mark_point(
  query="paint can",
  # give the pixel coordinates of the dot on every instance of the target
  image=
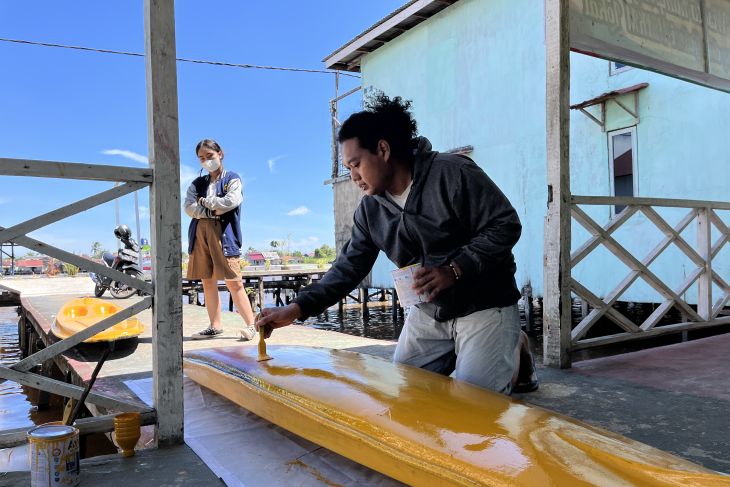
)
(54, 455)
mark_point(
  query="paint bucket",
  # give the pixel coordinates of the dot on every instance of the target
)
(54, 455)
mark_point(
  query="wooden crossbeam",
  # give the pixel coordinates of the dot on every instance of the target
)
(593, 242)
(636, 201)
(86, 426)
(67, 390)
(664, 308)
(82, 263)
(651, 321)
(720, 304)
(28, 226)
(725, 233)
(662, 330)
(70, 342)
(599, 307)
(633, 263)
(74, 170)
(603, 305)
(667, 229)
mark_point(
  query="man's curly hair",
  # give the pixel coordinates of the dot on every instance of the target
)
(383, 119)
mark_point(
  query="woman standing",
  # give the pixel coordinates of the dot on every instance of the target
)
(213, 201)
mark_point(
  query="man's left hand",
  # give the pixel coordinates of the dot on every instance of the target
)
(433, 280)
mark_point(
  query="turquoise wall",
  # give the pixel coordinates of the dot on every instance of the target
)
(681, 154)
(476, 75)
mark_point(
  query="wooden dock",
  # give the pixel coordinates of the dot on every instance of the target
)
(678, 380)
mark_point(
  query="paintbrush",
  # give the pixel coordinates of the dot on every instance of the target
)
(263, 356)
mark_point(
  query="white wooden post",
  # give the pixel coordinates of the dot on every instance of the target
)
(704, 248)
(556, 287)
(163, 140)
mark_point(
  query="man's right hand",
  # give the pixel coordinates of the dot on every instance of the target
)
(271, 318)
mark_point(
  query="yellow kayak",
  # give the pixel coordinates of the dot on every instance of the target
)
(426, 429)
(79, 314)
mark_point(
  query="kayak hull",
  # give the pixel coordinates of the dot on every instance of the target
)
(426, 429)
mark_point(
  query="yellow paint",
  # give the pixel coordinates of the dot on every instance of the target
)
(426, 429)
(263, 356)
(79, 314)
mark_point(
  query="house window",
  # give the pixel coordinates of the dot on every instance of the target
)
(622, 163)
(615, 67)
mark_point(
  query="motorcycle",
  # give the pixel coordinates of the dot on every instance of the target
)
(126, 261)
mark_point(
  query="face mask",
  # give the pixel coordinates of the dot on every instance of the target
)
(212, 165)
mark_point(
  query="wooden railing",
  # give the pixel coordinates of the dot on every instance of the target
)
(135, 179)
(704, 215)
(163, 295)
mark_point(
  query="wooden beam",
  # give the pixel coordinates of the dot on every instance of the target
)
(665, 202)
(28, 226)
(83, 263)
(78, 337)
(74, 170)
(67, 390)
(704, 245)
(556, 283)
(164, 146)
(86, 426)
(662, 330)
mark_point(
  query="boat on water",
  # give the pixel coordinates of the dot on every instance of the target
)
(78, 314)
(426, 429)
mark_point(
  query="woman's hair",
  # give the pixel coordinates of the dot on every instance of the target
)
(383, 119)
(209, 144)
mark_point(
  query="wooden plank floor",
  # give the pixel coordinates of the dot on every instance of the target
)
(178, 466)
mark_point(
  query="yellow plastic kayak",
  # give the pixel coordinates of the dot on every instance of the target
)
(78, 314)
(426, 429)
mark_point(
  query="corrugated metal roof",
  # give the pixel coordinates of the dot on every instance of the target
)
(347, 57)
(608, 95)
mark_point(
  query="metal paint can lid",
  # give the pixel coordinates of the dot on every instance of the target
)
(50, 431)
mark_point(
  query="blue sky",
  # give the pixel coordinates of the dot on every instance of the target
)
(77, 106)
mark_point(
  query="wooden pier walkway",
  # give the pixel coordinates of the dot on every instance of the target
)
(685, 384)
(132, 361)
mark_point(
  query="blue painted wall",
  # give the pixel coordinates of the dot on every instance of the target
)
(476, 75)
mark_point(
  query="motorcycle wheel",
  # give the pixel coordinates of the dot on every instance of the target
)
(122, 291)
(99, 290)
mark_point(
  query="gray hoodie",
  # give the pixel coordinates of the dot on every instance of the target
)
(454, 212)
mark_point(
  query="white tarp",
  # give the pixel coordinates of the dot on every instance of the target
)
(245, 450)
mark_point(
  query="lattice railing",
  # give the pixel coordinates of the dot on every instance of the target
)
(706, 313)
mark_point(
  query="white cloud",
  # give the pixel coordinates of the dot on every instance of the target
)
(144, 212)
(304, 242)
(187, 174)
(127, 154)
(302, 210)
(272, 162)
